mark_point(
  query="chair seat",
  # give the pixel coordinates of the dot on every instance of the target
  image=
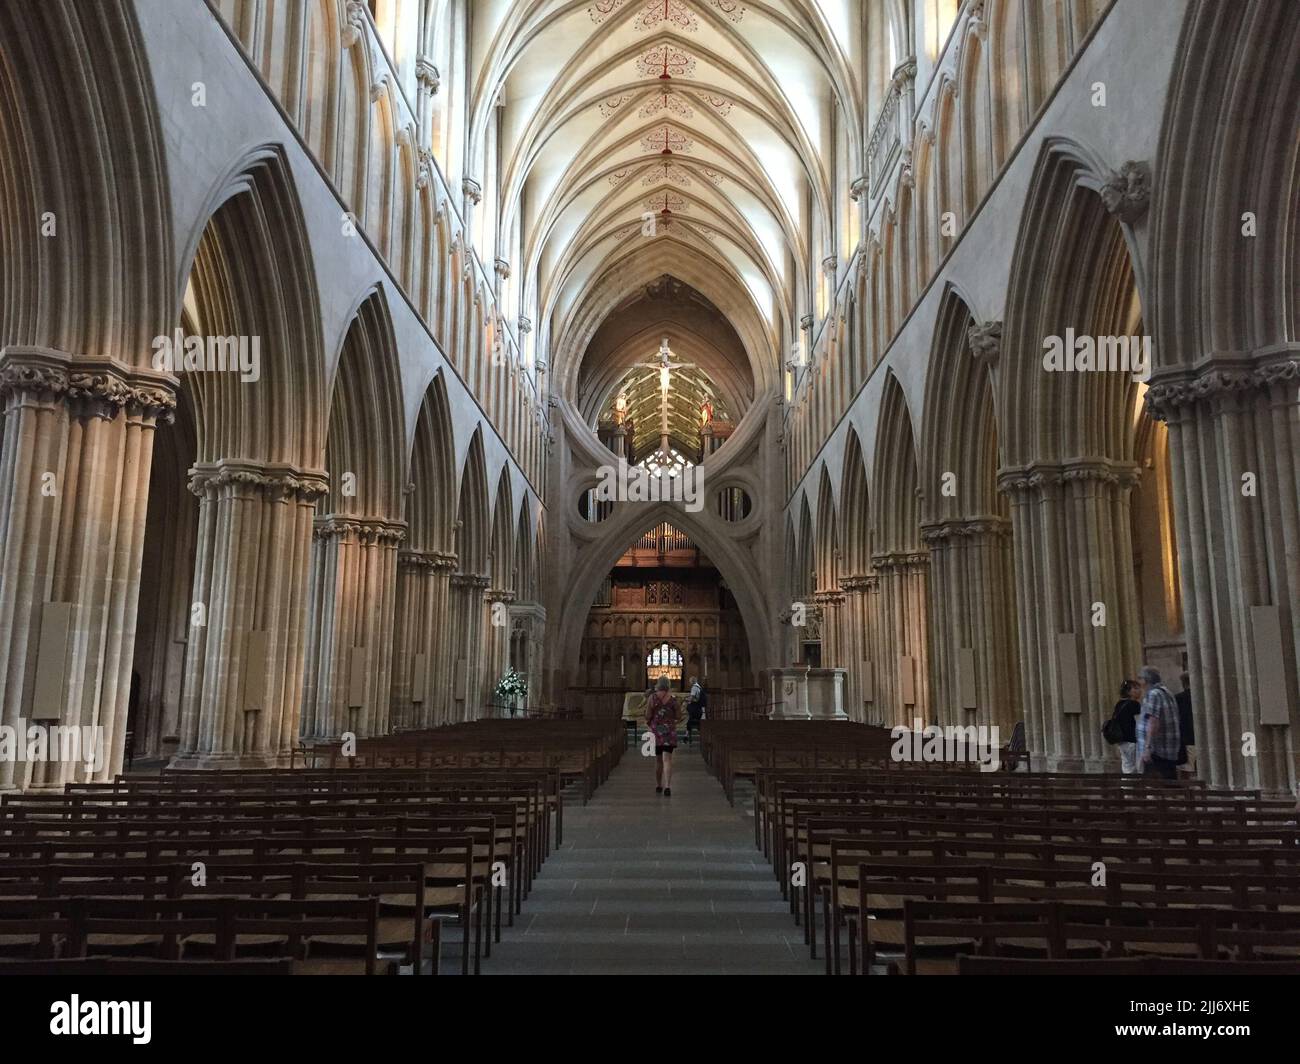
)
(395, 931)
(1164, 949)
(936, 966)
(330, 966)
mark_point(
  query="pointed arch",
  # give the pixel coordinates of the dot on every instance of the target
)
(432, 502)
(252, 275)
(366, 443)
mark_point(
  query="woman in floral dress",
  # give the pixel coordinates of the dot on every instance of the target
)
(661, 718)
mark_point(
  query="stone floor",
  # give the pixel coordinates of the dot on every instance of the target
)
(646, 885)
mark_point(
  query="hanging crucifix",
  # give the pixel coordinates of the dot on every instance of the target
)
(665, 365)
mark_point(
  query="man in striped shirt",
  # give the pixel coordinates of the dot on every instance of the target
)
(1158, 738)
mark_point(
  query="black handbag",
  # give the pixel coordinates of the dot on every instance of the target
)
(1112, 731)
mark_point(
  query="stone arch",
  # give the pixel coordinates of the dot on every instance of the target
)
(357, 531)
(421, 679)
(967, 528)
(260, 446)
(901, 565)
(469, 581)
(1226, 319)
(626, 525)
(857, 581)
(1069, 454)
(251, 274)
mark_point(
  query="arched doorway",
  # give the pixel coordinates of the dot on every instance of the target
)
(663, 609)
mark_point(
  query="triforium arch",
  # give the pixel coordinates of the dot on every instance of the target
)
(965, 524)
(357, 532)
(259, 470)
(421, 690)
(1071, 465)
(1225, 258)
(469, 582)
(901, 565)
(86, 239)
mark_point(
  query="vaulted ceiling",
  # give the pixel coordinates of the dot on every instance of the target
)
(607, 113)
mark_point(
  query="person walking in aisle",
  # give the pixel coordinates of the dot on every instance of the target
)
(661, 718)
(694, 708)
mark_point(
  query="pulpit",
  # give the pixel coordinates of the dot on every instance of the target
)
(826, 694)
(787, 692)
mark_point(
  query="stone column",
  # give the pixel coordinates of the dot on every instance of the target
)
(1077, 604)
(1234, 427)
(901, 633)
(829, 605)
(74, 482)
(972, 609)
(243, 688)
(857, 643)
(469, 616)
(496, 650)
(350, 627)
(421, 627)
(529, 618)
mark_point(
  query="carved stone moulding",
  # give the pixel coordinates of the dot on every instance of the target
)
(1172, 390)
(859, 582)
(428, 560)
(278, 481)
(965, 528)
(900, 561)
(92, 387)
(363, 529)
(427, 75)
(985, 339)
(1039, 477)
(1127, 192)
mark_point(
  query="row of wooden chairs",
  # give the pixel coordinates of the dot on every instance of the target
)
(446, 825)
(856, 841)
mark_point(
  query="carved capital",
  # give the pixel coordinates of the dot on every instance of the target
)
(904, 72)
(366, 530)
(1166, 398)
(859, 188)
(212, 480)
(859, 582)
(502, 268)
(99, 388)
(427, 76)
(354, 24)
(965, 529)
(906, 178)
(901, 561)
(473, 190)
(525, 325)
(1127, 193)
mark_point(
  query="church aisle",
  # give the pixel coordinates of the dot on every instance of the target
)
(655, 886)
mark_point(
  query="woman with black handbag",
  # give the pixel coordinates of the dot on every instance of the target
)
(1121, 729)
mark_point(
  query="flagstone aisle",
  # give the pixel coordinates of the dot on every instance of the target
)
(656, 886)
